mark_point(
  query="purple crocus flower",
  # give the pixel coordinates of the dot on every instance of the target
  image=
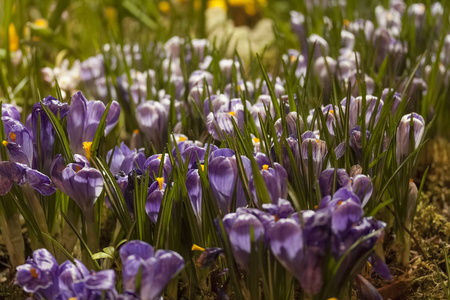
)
(125, 160)
(9, 110)
(219, 123)
(281, 210)
(403, 132)
(224, 179)
(194, 189)
(83, 121)
(39, 275)
(275, 179)
(78, 180)
(21, 174)
(356, 141)
(345, 207)
(68, 274)
(47, 133)
(157, 269)
(359, 184)
(154, 198)
(153, 163)
(193, 152)
(19, 143)
(318, 153)
(152, 118)
(238, 226)
(288, 246)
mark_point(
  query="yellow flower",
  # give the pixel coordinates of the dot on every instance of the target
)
(13, 38)
(164, 7)
(219, 4)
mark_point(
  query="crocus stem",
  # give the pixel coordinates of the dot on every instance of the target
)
(69, 238)
(91, 230)
(38, 212)
(12, 235)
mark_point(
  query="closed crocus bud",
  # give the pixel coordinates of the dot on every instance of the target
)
(154, 199)
(39, 275)
(198, 78)
(381, 41)
(356, 141)
(347, 40)
(366, 291)
(372, 110)
(9, 110)
(155, 269)
(412, 203)
(226, 67)
(152, 118)
(200, 47)
(239, 227)
(327, 177)
(417, 12)
(403, 134)
(324, 68)
(232, 91)
(275, 180)
(220, 124)
(173, 47)
(224, 179)
(320, 46)
(83, 184)
(298, 27)
(395, 96)
(291, 122)
(362, 186)
(398, 5)
(445, 54)
(318, 152)
(355, 170)
(194, 189)
(125, 160)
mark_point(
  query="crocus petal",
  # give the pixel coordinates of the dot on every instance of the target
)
(158, 271)
(137, 248)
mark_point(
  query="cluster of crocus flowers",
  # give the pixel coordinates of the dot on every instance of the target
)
(45, 279)
(301, 240)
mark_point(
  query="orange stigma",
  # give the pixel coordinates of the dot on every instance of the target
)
(346, 22)
(340, 202)
(12, 135)
(34, 273)
(136, 131)
(411, 180)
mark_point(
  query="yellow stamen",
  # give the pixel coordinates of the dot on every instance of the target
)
(197, 248)
(160, 182)
(265, 167)
(77, 168)
(136, 131)
(346, 22)
(232, 113)
(316, 206)
(331, 111)
(13, 38)
(160, 156)
(256, 140)
(5, 143)
(164, 7)
(369, 266)
(34, 273)
(333, 298)
(182, 139)
(87, 148)
(203, 167)
(317, 140)
(12, 135)
(293, 58)
(411, 180)
(41, 23)
(73, 298)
